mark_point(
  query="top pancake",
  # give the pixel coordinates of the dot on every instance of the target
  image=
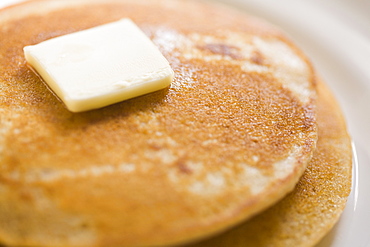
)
(231, 136)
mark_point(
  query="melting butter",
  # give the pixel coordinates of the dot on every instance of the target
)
(100, 66)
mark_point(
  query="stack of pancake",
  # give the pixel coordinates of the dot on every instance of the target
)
(247, 147)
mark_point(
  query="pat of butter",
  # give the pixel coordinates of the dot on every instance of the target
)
(100, 66)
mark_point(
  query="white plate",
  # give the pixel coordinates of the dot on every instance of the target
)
(336, 36)
(5, 3)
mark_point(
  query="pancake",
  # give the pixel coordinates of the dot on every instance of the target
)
(308, 213)
(230, 137)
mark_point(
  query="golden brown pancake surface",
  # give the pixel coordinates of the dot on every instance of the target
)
(231, 136)
(309, 212)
